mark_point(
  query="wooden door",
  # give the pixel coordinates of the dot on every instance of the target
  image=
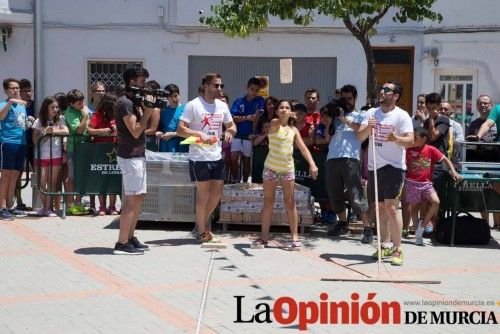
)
(396, 64)
(402, 73)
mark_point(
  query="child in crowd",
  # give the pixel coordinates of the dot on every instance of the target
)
(305, 128)
(261, 138)
(268, 114)
(324, 126)
(102, 126)
(49, 156)
(420, 160)
(77, 120)
(279, 169)
(62, 101)
(226, 147)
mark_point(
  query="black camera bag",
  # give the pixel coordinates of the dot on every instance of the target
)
(469, 230)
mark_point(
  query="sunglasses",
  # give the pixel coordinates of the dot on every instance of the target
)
(386, 90)
(219, 85)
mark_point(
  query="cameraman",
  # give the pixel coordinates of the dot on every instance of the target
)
(131, 122)
(343, 166)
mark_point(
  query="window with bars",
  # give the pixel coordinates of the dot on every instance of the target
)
(108, 72)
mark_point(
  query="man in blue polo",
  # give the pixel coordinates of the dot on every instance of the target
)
(245, 112)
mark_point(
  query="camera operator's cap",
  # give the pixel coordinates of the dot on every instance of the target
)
(299, 107)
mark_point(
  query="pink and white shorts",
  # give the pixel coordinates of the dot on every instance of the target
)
(417, 192)
(273, 176)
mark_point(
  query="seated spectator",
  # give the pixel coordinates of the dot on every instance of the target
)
(102, 126)
(49, 161)
(169, 118)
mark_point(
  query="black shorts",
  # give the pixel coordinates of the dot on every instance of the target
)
(390, 181)
(206, 170)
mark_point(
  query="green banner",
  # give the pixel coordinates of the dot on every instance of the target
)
(95, 169)
(302, 176)
(478, 196)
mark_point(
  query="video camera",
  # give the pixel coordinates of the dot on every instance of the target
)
(151, 98)
(334, 105)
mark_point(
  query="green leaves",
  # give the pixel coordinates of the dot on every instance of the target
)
(239, 18)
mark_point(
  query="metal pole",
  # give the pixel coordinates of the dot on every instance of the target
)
(38, 74)
(39, 92)
(377, 214)
(380, 280)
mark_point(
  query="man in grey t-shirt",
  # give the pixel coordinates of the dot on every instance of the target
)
(131, 122)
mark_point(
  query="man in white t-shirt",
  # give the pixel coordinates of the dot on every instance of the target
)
(393, 131)
(203, 117)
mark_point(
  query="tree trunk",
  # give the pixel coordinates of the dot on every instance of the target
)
(371, 77)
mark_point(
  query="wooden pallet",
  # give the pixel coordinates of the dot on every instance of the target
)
(304, 221)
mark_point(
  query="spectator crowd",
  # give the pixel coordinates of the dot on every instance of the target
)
(413, 154)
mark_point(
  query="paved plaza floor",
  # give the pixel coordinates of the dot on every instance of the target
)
(60, 276)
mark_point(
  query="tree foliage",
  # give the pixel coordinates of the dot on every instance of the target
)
(240, 18)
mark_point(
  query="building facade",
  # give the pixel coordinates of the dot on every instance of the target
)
(85, 41)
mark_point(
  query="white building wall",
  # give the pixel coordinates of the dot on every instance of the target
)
(76, 31)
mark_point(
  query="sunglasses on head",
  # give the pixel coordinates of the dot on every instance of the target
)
(386, 90)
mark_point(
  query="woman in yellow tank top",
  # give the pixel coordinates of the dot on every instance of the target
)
(279, 168)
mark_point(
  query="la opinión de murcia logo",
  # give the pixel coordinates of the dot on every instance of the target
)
(287, 311)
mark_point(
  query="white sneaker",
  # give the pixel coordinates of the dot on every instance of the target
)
(41, 212)
(419, 233)
(50, 213)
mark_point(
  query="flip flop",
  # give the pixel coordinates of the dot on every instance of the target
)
(294, 245)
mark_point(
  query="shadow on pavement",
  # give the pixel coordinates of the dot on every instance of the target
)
(114, 225)
(94, 251)
(242, 248)
(360, 258)
(173, 242)
(493, 244)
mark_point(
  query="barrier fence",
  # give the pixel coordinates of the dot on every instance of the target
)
(96, 172)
